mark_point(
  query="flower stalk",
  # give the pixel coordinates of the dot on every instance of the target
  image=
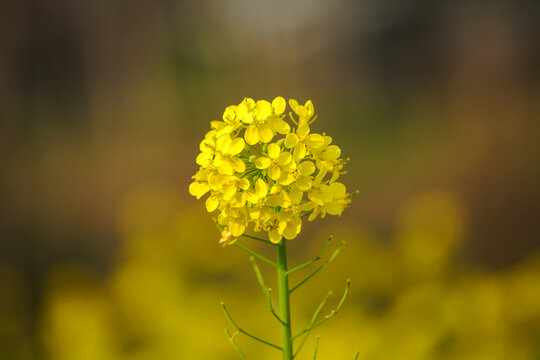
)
(260, 172)
(284, 303)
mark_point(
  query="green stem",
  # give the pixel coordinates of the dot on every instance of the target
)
(284, 306)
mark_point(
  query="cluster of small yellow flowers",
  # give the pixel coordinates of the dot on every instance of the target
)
(259, 170)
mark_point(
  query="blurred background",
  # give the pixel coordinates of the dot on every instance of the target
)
(104, 255)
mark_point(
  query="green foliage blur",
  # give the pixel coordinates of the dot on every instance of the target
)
(105, 255)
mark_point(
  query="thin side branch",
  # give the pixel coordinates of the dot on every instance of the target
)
(272, 310)
(313, 319)
(231, 321)
(231, 339)
(316, 348)
(260, 280)
(218, 225)
(316, 258)
(329, 316)
(335, 253)
(309, 276)
(266, 291)
(257, 255)
(258, 239)
(306, 264)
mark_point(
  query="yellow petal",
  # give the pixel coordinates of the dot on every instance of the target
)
(255, 213)
(306, 168)
(252, 135)
(335, 174)
(263, 162)
(216, 181)
(218, 160)
(250, 103)
(331, 153)
(316, 140)
(204, 158)
(273, 151)
(314, 214)
(299, 152)
(229, 114)
(222, 143)
(252, 197)
(295, 195)
(262, 109)
(309, 107)
(243, 113)
(261, 188)
(236, 146)
(286, 178)
(265, 134)
(338, 190)
(282, 225)
(291, 140)
(316, 196)
(274, 236)
(303, 183)
(278, 105)
(320, 176)
(326, 193)
(211, 204)
(247, 118)
(228, 192)
(290, 232)
(222, 219)
(198, 189)
(274, 172)
(239, 200)
(238, 165)
(303, 130)
(226, 238)
(284, 158)
(207, 144)
(275, 189)
(225, 168)
(293, 104)
(236, 228)
(275, 200)
(290, 166)
(243, 184)
(281, 126)
(327, 140)
(286, 200)
(225, 130)
(333, 208)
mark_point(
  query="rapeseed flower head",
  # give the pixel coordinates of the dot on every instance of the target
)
(261, 171)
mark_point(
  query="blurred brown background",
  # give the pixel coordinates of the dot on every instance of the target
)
(104, 255)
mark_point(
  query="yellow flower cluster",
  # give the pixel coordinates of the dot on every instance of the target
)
(260, 170)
